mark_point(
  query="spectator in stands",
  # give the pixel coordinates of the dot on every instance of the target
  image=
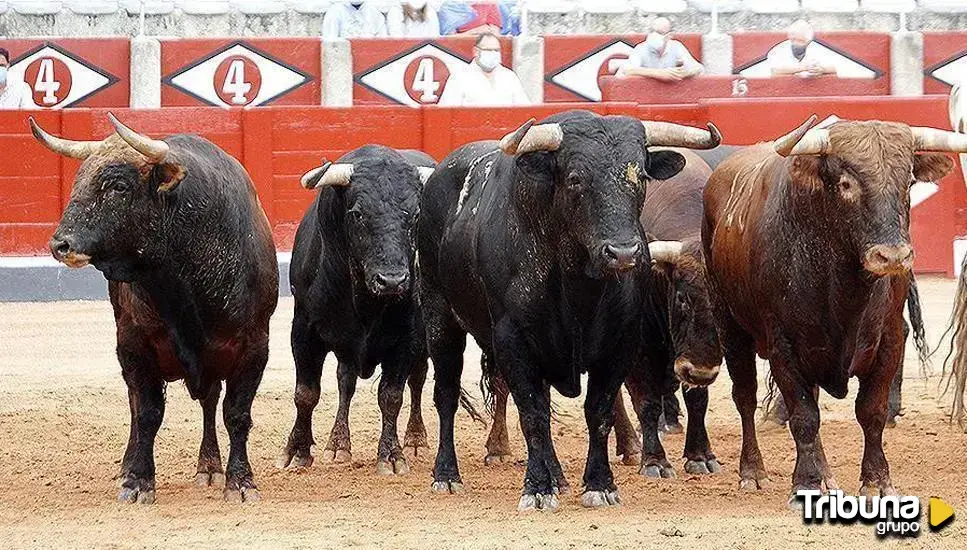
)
(413, 19)
(353, 20)
(660, 57)
(487, 21)
(485, 82)
(798, 55)
(14, 94)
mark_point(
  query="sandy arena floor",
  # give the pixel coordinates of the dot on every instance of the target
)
(64, 422)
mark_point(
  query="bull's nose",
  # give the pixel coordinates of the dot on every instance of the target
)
(695, 375)
(882, 259)
(59, 247)
(622, 256)
(390, 283)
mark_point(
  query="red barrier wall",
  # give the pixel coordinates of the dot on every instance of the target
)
(241, 73)
(73, 72)
(944, 60)
(573, 63)
(854, 53)
(278, 145)
(693, 90)
(390, 71)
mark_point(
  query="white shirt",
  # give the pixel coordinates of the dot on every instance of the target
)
(781, 55)
(472, 88)
(344, 21)
(16, 95)
(397, 25)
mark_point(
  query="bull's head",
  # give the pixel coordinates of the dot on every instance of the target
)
(115, 210)
(379, 205)
(866, 170)
(597, 168)
(698, 355)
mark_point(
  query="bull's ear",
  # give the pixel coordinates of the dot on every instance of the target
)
(168, 175)
(931, 166)
(664, 164)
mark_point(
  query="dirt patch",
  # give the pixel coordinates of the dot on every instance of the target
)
(64, 423)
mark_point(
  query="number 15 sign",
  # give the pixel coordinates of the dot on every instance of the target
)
(240, 73)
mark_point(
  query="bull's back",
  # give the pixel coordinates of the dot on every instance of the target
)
(673, 207)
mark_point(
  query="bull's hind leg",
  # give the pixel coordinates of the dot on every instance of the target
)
(446, 342)
(210, 473)
(498, 442)
(871, 413)
(147, 401)
(339, 448)
(739, 348)
(309, 353)
(671, 410)
(645, 384)
(390, 460)
(699, 458)
(627, 444)
(240, 391)
(415, 437)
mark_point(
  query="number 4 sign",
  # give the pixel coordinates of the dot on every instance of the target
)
(57, 78)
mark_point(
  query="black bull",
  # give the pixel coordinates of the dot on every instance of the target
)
(533, 247)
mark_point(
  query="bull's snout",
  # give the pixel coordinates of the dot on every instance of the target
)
(62, 248)
(622, 256)
(883, 260)
(695, 375)
(390, 283)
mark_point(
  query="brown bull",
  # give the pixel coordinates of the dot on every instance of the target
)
(809, 258)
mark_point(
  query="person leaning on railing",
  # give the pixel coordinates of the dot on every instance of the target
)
(660, 57)
(799, 55)
(14, 94)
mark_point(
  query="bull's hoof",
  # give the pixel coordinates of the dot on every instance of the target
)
(657, 471)
(447, 487)
(339, 456)
(210, 479)
(538, 502)
(392, 466)
(631, 459)
(413, 442)
(600, 499)
(134, 490)
(703, 466)
(750, 484)
(492, 459)
(794, 503)
(882, 488)
(244, 491)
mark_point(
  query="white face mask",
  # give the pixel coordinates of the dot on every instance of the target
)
(488, 60)
(655, 41)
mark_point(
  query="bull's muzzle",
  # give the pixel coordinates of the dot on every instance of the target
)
(884, 260)
(62, 248)
(623, 256)
(695, 375)
(390, 283)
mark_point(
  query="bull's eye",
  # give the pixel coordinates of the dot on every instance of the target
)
(119, 186)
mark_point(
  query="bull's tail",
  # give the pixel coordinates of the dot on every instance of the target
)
(917, 327)
(466, 403)
(490, 383)
(769, 402)
(957, 356)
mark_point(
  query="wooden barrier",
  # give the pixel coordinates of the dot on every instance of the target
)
(693, 90)
(277, 145)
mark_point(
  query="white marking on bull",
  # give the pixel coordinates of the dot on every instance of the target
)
(736, 195)
(465, 191)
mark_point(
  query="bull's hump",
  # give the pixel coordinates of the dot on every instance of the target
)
(478, 172)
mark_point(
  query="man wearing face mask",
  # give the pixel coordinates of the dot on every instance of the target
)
(799, 55)
(485, 82)
(353, 20)
(660, 57)
(14, 94)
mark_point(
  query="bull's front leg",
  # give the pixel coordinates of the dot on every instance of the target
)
(699, 458)
(871, 413)
(415, 437)
(390, 458)
(339, 448)
(240, 391)
(599, 487)
(645, 386)
(800, 398)
(147, 402)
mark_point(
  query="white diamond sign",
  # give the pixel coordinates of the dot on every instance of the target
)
(237, 75)
(57, 78)
(581, 77)
(415, 77)
(951, 72)
(846, 67)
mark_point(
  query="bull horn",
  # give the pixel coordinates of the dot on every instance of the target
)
(784, 145)
(328, 174)
(667, 134)
(425, 173)
(530, 138)
(665, 251)
(931, 139)
(154, 150)
(69, 148)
